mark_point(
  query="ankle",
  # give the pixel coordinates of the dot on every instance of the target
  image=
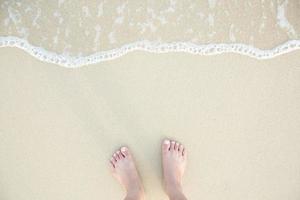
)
(137, 194)
(174, 191)
(176, 195)
(172, 186)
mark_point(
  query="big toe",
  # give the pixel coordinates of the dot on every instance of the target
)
(125, 151)
(166, 145)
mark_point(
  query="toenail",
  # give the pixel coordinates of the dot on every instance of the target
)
(123, 149)
(167, 142)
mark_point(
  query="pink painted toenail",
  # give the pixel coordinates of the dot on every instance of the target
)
(123, 149)
(166, 142)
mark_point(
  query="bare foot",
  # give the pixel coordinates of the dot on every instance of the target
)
(174, 161)
(124, 170)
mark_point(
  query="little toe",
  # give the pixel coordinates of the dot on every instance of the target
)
(111, 164)
(184, 153)
(180, 149)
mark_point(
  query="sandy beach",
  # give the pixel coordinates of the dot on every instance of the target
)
(238, 117)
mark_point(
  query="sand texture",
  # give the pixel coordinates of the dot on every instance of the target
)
(238, 117)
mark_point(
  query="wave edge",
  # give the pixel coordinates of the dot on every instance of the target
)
(155, 47)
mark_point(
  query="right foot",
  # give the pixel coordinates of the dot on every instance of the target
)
(174, 161)
(124, 170)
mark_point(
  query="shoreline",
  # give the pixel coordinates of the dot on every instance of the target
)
(65, 60)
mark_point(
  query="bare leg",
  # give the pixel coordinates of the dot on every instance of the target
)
(174, 161)
(124, 170)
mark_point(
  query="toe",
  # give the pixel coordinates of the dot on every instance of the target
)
(113, 162)
(180, 149)
(125, 152)
(166, 145)
(172, 148)
(116, 157)
(111, 168)
(120, 156)
(184, 153)
(176, 146)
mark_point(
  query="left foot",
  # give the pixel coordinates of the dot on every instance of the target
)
(124, 170)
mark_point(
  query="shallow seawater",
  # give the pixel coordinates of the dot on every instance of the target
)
(77, 33)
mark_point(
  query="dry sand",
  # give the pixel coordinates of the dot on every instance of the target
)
(238, 117)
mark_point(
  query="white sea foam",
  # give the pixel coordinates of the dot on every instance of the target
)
(282, 20)
(155, 47)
